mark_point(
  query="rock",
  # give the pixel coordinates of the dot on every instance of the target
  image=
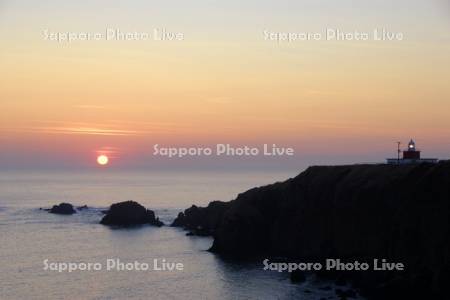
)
(201, 221)
(130, 213)
(83, 207)
(179, 220)
(62, 209)
(354, 212)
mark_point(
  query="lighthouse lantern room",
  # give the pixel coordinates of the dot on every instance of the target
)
(410, 156)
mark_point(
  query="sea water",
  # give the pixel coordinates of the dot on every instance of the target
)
(30, 237)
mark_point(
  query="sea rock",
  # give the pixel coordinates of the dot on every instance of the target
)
(62, 209)
(130, 213)
(356, 212)
(201, 221)
(83, 207)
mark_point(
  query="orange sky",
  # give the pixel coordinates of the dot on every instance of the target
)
(62, 103)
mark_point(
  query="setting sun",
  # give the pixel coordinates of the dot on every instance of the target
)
(102, 160)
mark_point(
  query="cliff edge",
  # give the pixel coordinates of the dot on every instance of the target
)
(354, 212)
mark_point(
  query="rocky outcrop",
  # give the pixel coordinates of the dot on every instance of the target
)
(201, 221)
(130, 213)
(83, 207)
(355, 212)
(62, 209)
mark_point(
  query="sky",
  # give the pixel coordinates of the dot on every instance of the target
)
(347, 101)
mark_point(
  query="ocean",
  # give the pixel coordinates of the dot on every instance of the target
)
(30, 237)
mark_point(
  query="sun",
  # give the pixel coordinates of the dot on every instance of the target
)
(102, 160)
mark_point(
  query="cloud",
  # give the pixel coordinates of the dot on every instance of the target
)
(86, 131)
(106, 128)
(55, 127)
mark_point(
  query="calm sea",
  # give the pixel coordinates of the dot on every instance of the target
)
(29, 236)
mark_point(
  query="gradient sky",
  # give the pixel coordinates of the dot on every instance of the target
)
(333, 101)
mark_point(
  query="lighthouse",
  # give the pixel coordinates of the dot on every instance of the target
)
(411, 155)
(411, 152)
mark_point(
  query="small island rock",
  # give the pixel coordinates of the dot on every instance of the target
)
(62, 209)
(130, 213)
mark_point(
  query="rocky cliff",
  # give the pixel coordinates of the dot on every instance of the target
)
(202, 220)
(363, 212)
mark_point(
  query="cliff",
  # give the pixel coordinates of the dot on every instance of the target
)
(363, 212)
(202, 220)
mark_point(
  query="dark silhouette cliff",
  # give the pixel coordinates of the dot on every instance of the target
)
(202, 220)
(400, 213)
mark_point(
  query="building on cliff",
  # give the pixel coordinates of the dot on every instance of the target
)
(410, 156)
